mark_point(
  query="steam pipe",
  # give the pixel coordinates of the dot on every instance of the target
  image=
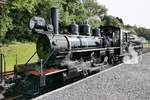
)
(54, 19)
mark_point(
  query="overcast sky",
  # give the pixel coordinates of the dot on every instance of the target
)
(133, 12)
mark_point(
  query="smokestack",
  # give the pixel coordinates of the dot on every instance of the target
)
(54, 19)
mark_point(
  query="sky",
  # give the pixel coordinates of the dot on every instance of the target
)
(133, 12)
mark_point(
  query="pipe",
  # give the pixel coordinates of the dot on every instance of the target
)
(54, 19)
(41, 67)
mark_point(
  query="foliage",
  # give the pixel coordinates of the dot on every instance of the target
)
(72, 10)
(112, 21)
(15, 16)
(143, 32)
(5, 21)
(17, 13)
(95, 21)
(95, 12)
(140, 31)
(93, 8)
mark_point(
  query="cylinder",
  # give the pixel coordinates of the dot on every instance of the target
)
(64, 43)
(54, 19)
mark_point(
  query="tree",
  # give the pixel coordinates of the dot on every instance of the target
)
(94, 12)
(15, 18)
(140, 31)
(5, 20)
(112, 21)
(74, 10)
(93, 8)
(17, 13)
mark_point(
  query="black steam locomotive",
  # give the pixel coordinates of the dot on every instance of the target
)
(77, 52)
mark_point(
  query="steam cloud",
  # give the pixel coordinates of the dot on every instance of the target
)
(133, 57)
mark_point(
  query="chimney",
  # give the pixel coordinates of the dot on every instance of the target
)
(54, 19)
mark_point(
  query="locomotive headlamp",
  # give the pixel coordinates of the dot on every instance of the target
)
(37, 23)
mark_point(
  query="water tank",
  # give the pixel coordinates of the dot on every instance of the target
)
(85, 28)
(96, 32)
(73, 28)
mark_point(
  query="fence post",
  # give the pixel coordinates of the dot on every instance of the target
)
(1, 64)
(1, 67)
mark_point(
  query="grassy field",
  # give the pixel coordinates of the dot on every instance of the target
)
(19, 52)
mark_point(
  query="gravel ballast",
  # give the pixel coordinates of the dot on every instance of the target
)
(124, 82)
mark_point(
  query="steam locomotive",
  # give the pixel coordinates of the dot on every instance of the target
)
(66, 55)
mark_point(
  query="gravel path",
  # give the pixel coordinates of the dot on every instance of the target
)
(125, 82)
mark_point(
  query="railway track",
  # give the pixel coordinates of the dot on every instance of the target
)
(8, 73)
(146, 49)
(20, 96)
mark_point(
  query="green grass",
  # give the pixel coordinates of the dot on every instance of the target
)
(23, 51)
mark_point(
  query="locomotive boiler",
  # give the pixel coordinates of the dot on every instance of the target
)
(53, 46)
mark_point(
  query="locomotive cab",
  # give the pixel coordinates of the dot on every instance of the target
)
(115, 37)
(111, 35)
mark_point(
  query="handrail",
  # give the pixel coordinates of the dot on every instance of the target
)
(30, 58)
(50, 54)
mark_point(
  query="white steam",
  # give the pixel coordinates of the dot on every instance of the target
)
(133, 57)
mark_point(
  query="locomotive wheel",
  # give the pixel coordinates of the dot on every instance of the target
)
(84, 73)
(111, 60)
